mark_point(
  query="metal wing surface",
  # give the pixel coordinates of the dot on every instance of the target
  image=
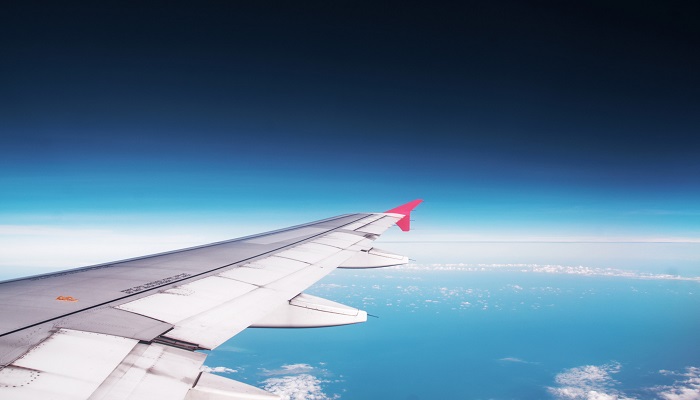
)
(131, 329)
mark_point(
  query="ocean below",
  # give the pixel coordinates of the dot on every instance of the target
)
(479, 330)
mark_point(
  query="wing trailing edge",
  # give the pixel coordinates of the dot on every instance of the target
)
(374, 258)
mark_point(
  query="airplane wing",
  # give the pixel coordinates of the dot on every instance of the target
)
(131, 329)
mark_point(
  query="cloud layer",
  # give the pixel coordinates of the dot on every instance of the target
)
(219, 370)
(516, 360)
(588, 382)
(686, 387)
(297, 382)
(595, 382)
(548, 269)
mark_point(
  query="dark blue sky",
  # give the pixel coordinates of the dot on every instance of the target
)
(503, 114)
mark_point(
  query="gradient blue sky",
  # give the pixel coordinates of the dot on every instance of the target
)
(513, 120)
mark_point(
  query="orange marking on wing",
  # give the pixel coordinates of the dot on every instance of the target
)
(66, 298)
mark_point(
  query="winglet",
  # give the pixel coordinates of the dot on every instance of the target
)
(405, 222)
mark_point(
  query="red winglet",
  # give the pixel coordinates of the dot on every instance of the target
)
(405, 222)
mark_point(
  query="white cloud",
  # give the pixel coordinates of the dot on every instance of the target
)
(546, 269)
(516, 360)
(220, 370)
(227, 347)
(297, 387)
(594, 395)
(588, 382)
(289, 369)
(297, 382)
(43, 230)
(685, 388)
(329, 285)
(588, 375)
(595, 382)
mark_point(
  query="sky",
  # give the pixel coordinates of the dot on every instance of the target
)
(131, 127)
(555, 145)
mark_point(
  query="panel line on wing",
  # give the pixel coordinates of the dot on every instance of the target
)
(379, 226)
(181, 302)
(217, 325)
(362, 222)
(186, 301)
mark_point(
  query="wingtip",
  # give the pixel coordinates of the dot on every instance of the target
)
(405, 209)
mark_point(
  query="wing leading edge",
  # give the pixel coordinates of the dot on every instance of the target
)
(128, 329)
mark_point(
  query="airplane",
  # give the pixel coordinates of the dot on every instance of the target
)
(138, 328)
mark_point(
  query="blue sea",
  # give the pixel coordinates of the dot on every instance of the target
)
(478, 330)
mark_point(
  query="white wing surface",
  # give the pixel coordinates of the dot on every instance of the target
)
(129, 329)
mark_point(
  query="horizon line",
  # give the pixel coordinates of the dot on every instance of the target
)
(545, 241)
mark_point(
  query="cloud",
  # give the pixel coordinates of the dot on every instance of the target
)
(220, 370)
(289, 369)
(43, 230)
(297, 382)
(329, 285)
(516, 360)
(685, 388)
(227, 347)
(441, 237)
(595, 382)
(297, 387)
(547, 269)
(588, 382)
(63, 247)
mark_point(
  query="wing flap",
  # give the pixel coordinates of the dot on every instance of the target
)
(210, 329)
(297, 282)
(254, 276)
(152, 372)
(308, 252)
(214, 387)
(69, 365)
(374, 258)
(182, 302)
(215, 326)
(306, 311)
(274, 263)
(340, 240)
